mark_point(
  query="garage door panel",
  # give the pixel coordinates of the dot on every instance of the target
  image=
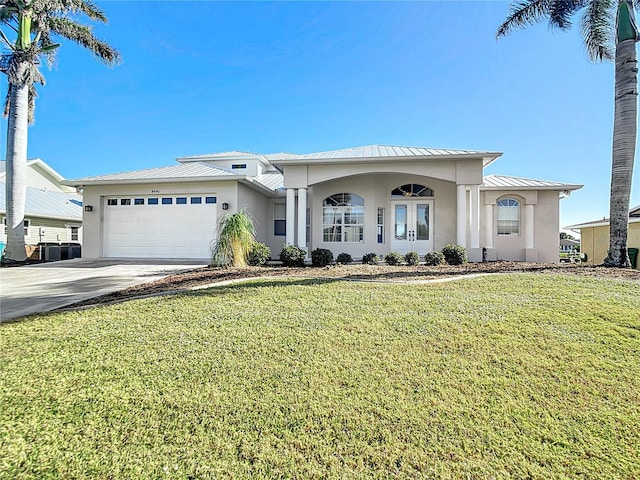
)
(159, 231)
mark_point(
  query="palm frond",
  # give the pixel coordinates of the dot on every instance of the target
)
(524, 13)
(598, 28)
(236, 236)
(83, 36)
(561, 12)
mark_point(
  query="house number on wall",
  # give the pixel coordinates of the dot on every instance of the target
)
(155, 191)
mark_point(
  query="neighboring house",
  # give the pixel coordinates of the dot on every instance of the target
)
(358, 200)
(53, 212)
(569, 245)
(594, 237)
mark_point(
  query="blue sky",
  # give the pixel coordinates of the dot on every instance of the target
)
(203, 77)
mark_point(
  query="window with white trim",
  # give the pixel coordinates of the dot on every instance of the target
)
(26, 224)
(508, 217)
(279, 220)
(380, 225)
(343, 218)
(74, 233)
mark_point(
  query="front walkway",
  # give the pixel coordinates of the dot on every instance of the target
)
(48, 286)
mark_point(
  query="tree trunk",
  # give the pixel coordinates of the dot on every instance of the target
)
(624, 147)
(16, 191)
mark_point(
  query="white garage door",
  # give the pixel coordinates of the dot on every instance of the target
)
(162, 226)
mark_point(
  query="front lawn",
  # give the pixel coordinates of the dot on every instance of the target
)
(510, 376)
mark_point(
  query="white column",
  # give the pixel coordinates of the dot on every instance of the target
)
(461, 212)
(528, 243)
(291, 216)
(488, 226)
(302, 217)
(475, 216)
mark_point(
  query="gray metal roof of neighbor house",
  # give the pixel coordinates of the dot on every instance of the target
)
(634, 217)
(382, 152)
(47, 204)
(502, 182)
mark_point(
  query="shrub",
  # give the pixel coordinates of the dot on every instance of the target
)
(321, 257)
(344, 258)
(433, 258)
(236, 236)
(455, 254)
(292, 256)
(370, 259)
(412, 258)
(259, 254)
(393, 258)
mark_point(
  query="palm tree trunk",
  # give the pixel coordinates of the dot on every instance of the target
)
(624, 145)
(16, 191)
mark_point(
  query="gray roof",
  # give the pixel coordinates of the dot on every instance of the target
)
(3, 167)
(189, 171)
(232, 154)
(273, 181)
(180, 173)
(48, 204)
(634, 217)
(372, 152)
(500, 182)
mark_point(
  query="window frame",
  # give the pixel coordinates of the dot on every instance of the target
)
(342, 208)
(509, 225)
(279, 220)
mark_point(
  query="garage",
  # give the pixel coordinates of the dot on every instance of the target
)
(167, 226)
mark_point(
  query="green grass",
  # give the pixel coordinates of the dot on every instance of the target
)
(514, 376)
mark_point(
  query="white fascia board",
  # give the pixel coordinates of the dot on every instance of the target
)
(42, 164)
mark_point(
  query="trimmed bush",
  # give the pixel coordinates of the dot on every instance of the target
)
(412, 258)
(292, 256)
(344, 258)
(433, 258)
(393, 258)
(370, 259)
(259, 254)
(455, 254)
(321, 257)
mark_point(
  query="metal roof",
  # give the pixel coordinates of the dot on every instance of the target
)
(188, 171)
(48, 204)
(370, 152)
(192, 171)
(219, 155)
(634, 217)
(499, 182)
(271, 180)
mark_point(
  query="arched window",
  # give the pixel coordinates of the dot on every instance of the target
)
(508, 216)
(412, 190)
(343, 218)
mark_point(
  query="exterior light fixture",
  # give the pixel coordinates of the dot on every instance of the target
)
(225, 206)
(88, 208)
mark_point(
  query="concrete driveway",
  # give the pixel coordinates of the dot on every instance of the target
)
(47, 286)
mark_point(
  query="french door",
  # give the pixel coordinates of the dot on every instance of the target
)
(412, 226)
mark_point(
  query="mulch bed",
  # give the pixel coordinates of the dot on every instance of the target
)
(381, 273)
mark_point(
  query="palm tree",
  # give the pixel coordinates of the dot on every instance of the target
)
(607, 36)
(236, 237)
(35, 23)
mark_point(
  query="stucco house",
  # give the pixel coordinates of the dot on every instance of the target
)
(53, 212)
(357, 200)
(594, 237)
